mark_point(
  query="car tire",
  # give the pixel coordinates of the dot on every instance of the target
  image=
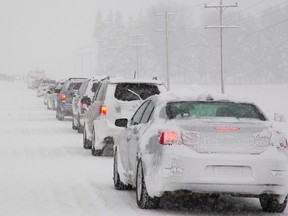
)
(144, 201)
(60, 116)
(116, 178)
(80, 128)
(73, 125)
(94, 152)
(271, 204)
(86, 142)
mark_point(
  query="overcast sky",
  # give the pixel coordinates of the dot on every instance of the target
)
(48, 34)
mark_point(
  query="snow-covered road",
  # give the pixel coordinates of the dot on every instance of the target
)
(45, 171)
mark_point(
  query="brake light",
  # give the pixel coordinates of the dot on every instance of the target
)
(62, 96)
(168, 137)
(226, 128)
(83, 106)
(103, 110)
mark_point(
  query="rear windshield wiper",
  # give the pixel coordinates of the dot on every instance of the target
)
(135, 94)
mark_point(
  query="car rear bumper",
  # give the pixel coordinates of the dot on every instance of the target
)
(237, 174)
(66, 108)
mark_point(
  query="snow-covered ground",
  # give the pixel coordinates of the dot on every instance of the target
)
(45, 171)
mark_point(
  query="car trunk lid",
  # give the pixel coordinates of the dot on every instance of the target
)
(207, 136)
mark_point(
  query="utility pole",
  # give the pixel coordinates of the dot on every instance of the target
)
(166, 14)
(137, 45)
(221, 8)
(88, 52)
(114, 48)
(100, 49)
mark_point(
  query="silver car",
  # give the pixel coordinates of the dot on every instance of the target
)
(203, 144)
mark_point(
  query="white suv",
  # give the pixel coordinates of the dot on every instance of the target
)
(116, 98)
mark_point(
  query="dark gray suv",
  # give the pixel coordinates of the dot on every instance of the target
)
(64, 101)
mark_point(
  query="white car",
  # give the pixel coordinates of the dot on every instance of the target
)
(52, 95)
(82, 100)
(204, 144)
(44, 85)
(116, 98)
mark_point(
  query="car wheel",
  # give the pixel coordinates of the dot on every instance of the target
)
(60, 116)
(144, 201)
(95, 152)
(73, 125)
(271, 204)
(86, 142)
(117, 182)
(80, 128)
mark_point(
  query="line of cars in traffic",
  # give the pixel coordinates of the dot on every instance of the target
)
(177, 143)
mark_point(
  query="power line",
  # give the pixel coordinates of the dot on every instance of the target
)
(195, 5)
(245, 9)
(251, 18)
(269, 27)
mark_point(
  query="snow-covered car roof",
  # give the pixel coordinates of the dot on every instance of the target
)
(99, 78)
(142, 80)
(197, 95)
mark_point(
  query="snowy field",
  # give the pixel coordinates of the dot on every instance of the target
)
(44, 171)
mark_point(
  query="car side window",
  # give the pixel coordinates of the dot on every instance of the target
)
(147, 114)
(138, 114)
(83, 88)
(101, 92)
(96, 93)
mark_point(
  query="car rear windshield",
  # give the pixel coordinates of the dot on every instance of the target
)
(200, 109)
(132, 91)
(74, 86)
(49, 81)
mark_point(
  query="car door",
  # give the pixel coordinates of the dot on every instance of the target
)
(134, 136)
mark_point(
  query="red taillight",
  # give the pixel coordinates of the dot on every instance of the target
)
(226, 128)
(167, 137)
(83, 106)
(103, 110)
(62, 96)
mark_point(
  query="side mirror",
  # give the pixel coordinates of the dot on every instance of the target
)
(121, 122)
(86, 100)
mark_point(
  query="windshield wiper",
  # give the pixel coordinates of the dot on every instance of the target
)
(135, 94)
